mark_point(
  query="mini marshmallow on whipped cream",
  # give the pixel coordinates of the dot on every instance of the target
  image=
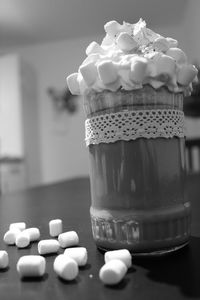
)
(130, 56)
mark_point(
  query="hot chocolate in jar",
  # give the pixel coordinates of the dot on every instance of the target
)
(133, 85)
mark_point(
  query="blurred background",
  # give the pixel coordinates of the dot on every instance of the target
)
(41, 43)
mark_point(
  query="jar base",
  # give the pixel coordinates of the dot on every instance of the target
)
(152, 233)
(154, 253)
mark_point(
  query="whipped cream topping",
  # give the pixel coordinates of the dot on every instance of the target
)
(130, 56)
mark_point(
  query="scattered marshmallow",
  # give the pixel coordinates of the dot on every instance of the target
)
(31, 266)
(186, 74)
(113, 272)
(48, 246)
(107, 72)
(65, 267)
(73, 84)
(4, 259)
(10, 236)
(22, 240)
(79, 254)
(177, 54)
(68, 239)
(20, 225)
(33, 232)
(55, 227)
(126, 42)
(122, 254)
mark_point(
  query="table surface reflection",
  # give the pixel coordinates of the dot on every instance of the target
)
(176, 276)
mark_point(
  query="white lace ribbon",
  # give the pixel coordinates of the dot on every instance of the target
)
(130, 125)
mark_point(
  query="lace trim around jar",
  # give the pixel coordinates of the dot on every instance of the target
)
(130, 125)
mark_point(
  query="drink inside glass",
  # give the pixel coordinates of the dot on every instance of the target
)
(137, 185)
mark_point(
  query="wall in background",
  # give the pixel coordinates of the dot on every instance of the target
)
(11, 134)
(63, 151)
(62, 147)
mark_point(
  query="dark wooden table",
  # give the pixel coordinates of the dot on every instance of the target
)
(176, 276)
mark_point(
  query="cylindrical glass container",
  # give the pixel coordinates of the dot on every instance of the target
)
(137, 170)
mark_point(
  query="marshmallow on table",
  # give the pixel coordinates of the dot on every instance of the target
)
(55, 227)
(48, 246)
(33, 232)
(68, 239)
(22, 240)
(65, 267)
(113, 272)
(11, 235)
(4, 259)
(79, 254)
(121, 254)
(19, 225)
(31, 266)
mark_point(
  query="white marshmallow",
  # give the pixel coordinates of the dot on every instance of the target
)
(156, 84)
(186, 74)
(94, 47)
(82, 85)
(112, 28)
(177, 54)
(31, 266)
(161, 44)
(48, 246)
(138, 69)
(122, 254)
(107, 41)
(113, 272)
(107, 72)
(125, 42)
(22, 240)
(91, 58)
(55, 227)
(165, 65)
(65, 267)
(89, 72)
(79, 254)
(68, 239)
(19, 225)
(33, 232)
(4, 259)
(10, 236)
(73, 84)
(172, 42)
